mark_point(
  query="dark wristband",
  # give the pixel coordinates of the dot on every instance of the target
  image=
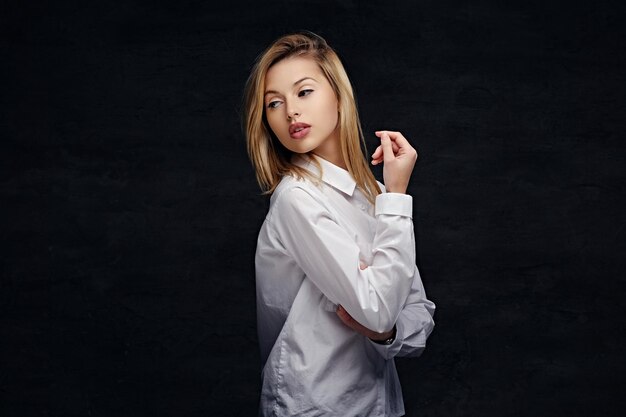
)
(387, 341)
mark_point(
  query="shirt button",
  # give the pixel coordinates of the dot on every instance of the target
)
(362, 207)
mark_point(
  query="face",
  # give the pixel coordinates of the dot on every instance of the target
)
(302, 108)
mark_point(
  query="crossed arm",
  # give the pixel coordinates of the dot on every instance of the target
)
(411, 330)
(358, 327)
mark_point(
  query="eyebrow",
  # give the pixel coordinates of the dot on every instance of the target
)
(294, 84)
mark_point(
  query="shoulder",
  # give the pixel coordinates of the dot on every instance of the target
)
(295, 196)
(289, 183)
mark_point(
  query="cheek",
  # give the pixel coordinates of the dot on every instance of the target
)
(332, 114)
(273, 121)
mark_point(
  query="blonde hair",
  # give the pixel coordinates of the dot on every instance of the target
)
(269, 157)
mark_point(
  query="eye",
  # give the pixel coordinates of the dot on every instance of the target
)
(273, 104)
(304, 93)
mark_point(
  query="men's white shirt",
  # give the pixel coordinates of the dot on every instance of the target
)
(307, 261)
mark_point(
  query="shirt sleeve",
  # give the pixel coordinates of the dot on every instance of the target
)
(414, 324)
(329, 257)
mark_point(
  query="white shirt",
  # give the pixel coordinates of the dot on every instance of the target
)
(307, 262)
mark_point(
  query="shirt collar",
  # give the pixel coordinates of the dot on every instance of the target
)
(332, 175)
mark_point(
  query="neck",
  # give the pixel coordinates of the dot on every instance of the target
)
(333, 159)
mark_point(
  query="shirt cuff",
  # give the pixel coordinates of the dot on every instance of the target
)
(395, 204)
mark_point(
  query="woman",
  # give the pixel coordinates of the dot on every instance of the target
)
(338, 292)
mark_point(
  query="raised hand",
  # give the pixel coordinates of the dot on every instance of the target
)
(399, 158)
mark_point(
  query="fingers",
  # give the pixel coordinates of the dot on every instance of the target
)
(362, 265)
(385, 143)
(377, 155)
(349, 321)
(395, 136)
(404, 147)
(399, 144)
(379, 150)
(345, 317)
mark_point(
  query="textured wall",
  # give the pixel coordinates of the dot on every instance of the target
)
(130, 210)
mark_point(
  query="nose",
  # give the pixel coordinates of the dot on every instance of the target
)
(292, 113)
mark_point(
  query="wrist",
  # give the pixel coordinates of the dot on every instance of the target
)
(386, 338)
(396, 188)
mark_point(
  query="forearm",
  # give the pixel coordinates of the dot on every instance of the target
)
(414, 325)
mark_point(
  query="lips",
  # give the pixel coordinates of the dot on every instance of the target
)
(299, 130)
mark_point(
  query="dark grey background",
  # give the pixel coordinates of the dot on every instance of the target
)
(130, 211)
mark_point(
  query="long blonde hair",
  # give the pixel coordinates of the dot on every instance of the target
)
(269, 157)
